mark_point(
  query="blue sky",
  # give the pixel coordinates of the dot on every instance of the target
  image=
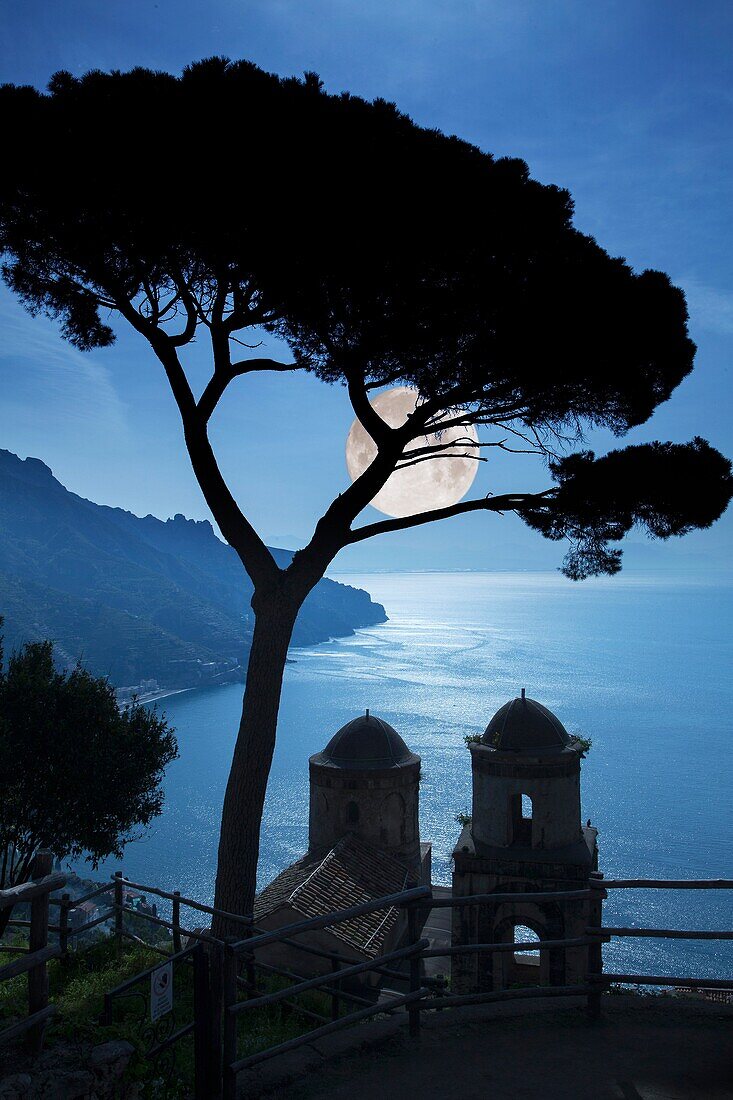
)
(628, 104)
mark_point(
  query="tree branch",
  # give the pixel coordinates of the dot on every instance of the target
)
(423, 422)
(371, 421)
(437, 450)
(221, 378)
(385, 380)
(509, 502)
(236, 528)
(251, 366)
(333, 530)
(434, 457)
(163, 346)
(189, 329)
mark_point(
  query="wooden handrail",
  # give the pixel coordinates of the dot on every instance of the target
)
(326, 979)
(496, 899)
(91, 923)
(28, 962)
(26, 891)
(390, 901)
(319, 1032)
(106, 889)
(660, 933)
(35, 1020)
(269, 968)
(531, 945)
(27, 924)
(662, 884)
(163, 923)
(456, 1000)
(173, 897)
(655, 979)
(130, 982)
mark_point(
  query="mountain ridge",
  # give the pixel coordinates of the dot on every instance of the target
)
(137, 598)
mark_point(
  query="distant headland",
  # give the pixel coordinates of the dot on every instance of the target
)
(156, 605)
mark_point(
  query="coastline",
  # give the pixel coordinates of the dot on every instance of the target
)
(165, 693)
(154, 696)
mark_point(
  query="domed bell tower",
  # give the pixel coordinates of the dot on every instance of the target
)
(525, 836)
(366, 782)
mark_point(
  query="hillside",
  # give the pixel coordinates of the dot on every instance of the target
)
(137, 599)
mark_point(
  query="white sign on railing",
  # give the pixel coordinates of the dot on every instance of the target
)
(161, 991)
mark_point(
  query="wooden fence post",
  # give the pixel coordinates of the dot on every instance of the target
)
(216, 998)
(176, 920)
(38, 939)
(595, 952)
(413, 1009)
(119, 901)
(250, 972)
(335, 1000)
(204, 1086)
(64, 927)
(230, 1021)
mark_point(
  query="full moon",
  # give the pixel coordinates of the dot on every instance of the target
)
(441, 481)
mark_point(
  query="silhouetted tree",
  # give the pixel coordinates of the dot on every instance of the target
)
(229, 199)
(77, 775)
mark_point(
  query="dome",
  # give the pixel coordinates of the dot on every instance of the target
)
(366, 742)
(524, 725)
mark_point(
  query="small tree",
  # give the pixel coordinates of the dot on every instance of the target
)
(228, 199)
(77, 775)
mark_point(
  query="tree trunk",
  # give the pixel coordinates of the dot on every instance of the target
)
(239, 840)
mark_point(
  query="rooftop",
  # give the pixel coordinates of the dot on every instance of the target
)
(353, 872)
(524, 725)
(363, 743)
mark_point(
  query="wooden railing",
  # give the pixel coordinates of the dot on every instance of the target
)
(419, 996)
(242, 953)
(601, 980)
(35, 957)
(225, 969)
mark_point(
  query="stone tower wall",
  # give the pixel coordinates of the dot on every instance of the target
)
(503, 851)
(379, 806)
(500, 780)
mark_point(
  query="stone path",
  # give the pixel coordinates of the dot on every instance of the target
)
(644, 1048)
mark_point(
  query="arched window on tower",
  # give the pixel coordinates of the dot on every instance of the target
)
(520, 819)
(352, 813)
(528, 957)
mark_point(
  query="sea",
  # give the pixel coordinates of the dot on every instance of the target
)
(641, 665)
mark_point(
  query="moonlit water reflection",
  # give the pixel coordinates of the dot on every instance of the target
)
(640, 666)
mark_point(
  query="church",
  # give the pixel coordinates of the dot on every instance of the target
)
(524, 835)
(363, 844)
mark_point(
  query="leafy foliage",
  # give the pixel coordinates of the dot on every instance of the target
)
(582, 744)
(460, 275)
(667, 488)
(382, 251)
(78, 775)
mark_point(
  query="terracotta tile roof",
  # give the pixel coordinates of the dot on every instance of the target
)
(351, 873)
(88, 907)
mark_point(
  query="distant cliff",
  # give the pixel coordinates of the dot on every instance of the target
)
(137, 599)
